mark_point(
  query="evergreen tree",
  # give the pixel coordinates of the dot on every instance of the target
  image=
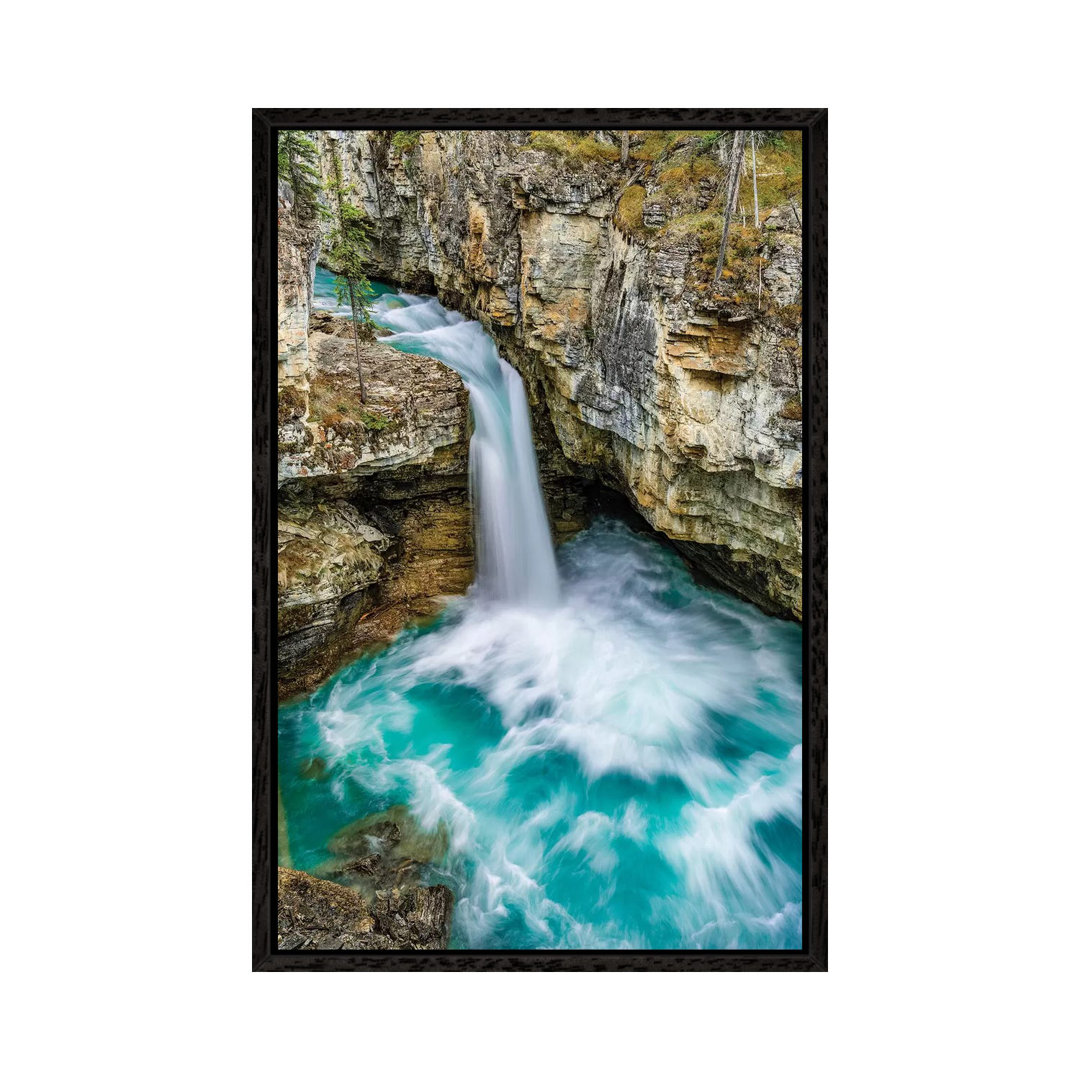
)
(347, 254)
(298, 159)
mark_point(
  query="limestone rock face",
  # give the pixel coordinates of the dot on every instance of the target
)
(317, 914)
(374, 525)
(330, 564)
(416, 411)
(297, 252)
(641, 375)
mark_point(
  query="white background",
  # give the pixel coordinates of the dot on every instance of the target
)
(953, 543)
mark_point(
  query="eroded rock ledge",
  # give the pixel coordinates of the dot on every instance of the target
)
(373, 516)
(374, 521)
(640, 376)
(317, 914)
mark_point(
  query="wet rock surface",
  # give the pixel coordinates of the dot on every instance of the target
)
(373, 893)
(641, 381)
(374, 524)
(317, 914)
(374, 519)
(641, 376)
(392, 834)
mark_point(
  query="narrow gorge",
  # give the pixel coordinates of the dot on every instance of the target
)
(521, 707)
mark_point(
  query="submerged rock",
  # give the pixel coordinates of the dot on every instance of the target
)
(314, 769)
(394, 831)
(368, 866)
(385, 850)
(317, 914)
(362, 837)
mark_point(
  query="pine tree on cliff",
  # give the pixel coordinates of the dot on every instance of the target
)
(347, 256)
(298, 159)
(738, 148)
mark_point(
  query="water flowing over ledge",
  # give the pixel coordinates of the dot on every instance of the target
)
(515, 557)
(614, 758)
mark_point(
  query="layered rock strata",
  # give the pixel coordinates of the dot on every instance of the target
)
(374, 523)
(596, 284)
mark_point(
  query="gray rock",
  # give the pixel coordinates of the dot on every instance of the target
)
(317, 914)
(641, 378)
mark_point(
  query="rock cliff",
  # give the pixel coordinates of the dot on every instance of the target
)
(373, 517)
(596, 280)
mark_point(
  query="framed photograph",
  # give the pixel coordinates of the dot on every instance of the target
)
(540, 644)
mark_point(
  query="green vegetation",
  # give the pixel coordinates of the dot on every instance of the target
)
(298, 161)
(656, 147)
(706, 226)
(688, 178)
(685, 174)
(652, 145)
(743, 261)
(686, 165)
(779, 172)
(405, 142)
(375, 421)
(577, 148)
(347, 254)
(629, 214)
(790, 317)
(333, 405)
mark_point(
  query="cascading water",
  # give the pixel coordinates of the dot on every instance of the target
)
(618, 766)
(515, 558)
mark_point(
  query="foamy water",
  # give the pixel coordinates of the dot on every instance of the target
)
(617, 761)
(515, 560)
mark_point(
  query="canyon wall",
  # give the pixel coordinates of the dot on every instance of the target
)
(374, 524)
(595, 277)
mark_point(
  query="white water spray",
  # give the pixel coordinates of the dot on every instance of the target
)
(514, 555)
(618, 767)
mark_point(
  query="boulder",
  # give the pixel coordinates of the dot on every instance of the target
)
(317, 914)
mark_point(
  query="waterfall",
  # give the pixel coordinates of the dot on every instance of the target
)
(514, 555)
(618, 766)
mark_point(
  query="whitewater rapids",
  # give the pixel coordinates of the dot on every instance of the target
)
(614, 751)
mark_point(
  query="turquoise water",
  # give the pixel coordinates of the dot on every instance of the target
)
(325, 295)
(617, 767)
(621, 772)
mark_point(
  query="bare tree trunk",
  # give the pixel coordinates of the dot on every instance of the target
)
(356, 343)
(738, 148)
(375, 184)
(378, 197)
(624, 147)
(753, 163)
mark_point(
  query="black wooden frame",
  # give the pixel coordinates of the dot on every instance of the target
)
(813, 956)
